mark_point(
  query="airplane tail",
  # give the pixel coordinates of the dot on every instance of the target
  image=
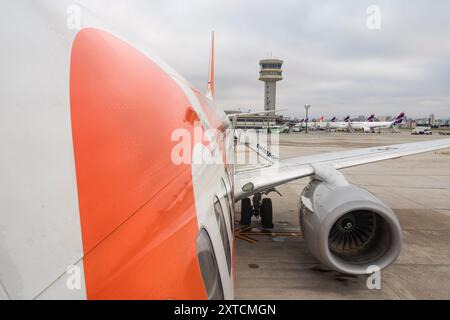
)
(347, 119)
(399, 119)
(371, 118)
(333, 120)
(211, 82)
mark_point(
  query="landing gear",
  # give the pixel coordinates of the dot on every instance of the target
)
(267, 213)
(261, 208)
(246, 212)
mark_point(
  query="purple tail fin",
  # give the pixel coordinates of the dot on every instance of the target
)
(399, 119)
(371, 118)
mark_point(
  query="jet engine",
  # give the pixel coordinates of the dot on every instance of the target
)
(347, 228)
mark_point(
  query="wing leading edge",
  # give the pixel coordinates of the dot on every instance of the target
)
(264, 179)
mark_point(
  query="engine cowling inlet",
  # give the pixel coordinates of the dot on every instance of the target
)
(347, 228)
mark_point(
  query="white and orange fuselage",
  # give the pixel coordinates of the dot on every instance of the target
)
(87, 175)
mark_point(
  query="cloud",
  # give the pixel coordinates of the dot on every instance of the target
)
(332, 60)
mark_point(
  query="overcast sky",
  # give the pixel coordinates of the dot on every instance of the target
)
(332, 60)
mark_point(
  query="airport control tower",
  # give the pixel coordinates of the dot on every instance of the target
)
(270, 73)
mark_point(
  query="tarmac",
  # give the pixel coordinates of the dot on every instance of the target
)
(278, 265)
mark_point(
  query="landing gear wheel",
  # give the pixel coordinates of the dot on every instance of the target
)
(246, 212)
(267, 214)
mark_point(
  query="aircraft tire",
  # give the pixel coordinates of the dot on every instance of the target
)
(267, 213)
(246, 212)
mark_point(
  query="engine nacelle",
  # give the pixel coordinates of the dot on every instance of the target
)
(347, 228)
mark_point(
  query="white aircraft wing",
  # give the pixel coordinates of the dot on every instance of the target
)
(263, 179)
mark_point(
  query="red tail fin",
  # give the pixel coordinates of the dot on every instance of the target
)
(211, 83)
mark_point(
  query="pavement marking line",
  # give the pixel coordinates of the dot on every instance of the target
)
(275, 234)
(248, 239)
(246, 233)
(244, 229)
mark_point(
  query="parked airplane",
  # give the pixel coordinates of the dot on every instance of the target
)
(335, 125)
(325, 125)
(320, 124)
(365, 126)
(371, 118)
(299, 126)
(312, 125)
(93, 205)
(371, 126)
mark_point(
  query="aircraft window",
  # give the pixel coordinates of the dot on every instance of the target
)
(227, 201)
(223, 231)
(208, 266)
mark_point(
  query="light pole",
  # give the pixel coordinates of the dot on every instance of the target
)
(307, 106)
